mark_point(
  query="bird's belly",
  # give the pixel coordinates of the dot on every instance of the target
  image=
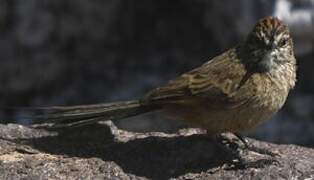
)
(242, 118)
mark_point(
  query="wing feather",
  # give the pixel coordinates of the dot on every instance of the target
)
(207, 82)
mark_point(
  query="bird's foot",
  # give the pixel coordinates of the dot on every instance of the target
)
(250, 147)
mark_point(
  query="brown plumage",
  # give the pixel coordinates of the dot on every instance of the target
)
(233, 92)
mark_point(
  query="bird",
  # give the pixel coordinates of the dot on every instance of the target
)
(233, 92)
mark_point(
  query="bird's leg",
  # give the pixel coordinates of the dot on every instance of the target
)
(224, 144)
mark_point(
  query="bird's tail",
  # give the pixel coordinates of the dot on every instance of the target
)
(70, 116)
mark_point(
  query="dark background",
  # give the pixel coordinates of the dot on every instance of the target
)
(56, 52)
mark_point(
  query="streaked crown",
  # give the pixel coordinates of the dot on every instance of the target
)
(271, 31)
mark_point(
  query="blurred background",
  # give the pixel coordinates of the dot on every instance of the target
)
(56, 52)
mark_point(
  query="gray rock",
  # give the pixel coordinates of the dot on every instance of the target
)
(102, 151)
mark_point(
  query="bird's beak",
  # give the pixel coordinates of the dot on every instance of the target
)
(266, 62)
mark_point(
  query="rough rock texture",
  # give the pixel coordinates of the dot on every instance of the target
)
(102, 151)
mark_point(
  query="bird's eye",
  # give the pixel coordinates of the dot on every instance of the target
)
(283, 42)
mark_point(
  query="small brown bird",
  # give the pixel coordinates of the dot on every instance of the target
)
(233, 92)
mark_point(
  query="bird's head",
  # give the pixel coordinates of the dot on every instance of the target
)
(268, 46)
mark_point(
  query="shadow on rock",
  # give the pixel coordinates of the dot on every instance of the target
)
(151, 156)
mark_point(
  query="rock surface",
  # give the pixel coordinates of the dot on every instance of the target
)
(102, 151)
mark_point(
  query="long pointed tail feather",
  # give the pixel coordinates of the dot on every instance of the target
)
(87, 114)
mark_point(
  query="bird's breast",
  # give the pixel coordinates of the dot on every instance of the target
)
(264, 94)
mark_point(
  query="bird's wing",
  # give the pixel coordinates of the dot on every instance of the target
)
(215, 81)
